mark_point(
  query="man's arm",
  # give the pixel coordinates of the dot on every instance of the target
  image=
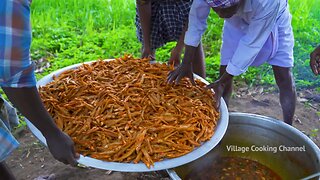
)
(29, 104)
(144, 11)
(177, 50)
(219, 86)
(197, 25)
(18, 72)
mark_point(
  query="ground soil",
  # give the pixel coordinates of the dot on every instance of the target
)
(33, 161)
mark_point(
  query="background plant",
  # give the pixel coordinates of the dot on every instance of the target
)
(72, 31)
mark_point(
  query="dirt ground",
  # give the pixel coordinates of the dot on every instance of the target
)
(33, 161)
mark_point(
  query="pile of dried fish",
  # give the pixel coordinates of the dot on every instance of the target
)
(124, 111)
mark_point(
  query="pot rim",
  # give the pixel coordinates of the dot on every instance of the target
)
(173, 175)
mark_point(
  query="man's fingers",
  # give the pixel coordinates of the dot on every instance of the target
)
(174, 76)
(210, 86)
(73, 156)
(171, 77)
(315, 62)
(314, 69)
(152, 57)
(77, 155)
(314, 66)
(177, 74)
(177, 80)
(72, 161)
(144, 56)
(74, 153)
(192, 80)
(217, 104)
(64, 161)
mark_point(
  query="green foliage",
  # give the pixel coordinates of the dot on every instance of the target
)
(306, 27)
(70, 32)
(212, 67)
(163, 53)
(73, 31)
(22, 122)
(83, 15)
(314, 133)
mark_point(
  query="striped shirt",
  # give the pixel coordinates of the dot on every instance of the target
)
(222, 3)
(16, 68)
(8, 118)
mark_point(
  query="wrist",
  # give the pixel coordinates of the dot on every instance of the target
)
(189, 54)
(178, 48)
(186, 62)
(176, 52)
(147, 49)
(225, 78)
(51, 132)
(146, 43)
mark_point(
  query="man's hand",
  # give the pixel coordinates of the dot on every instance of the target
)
(174, 58)
(147, 53)
(28, 101)
(62, 148)
(315, 61)
(144, 12)
(183, 70)
(218, 89)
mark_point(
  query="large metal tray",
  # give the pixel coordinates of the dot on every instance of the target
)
(141, 167)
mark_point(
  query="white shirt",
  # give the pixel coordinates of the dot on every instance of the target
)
(256, 18)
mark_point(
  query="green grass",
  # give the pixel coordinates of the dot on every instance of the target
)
(306, 26)
(72, 31)
(314, 133)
